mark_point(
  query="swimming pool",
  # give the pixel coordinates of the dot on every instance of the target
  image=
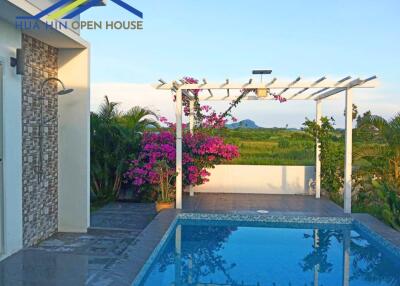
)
(231, 252)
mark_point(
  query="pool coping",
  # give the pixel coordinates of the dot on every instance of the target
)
(374, 233)
(377, 230)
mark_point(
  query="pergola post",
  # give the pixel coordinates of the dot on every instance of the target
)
(348, 151)
(178, 255)
(318, 153)
(317, 266)
(178, 113)
(191, 127)
(346, 257)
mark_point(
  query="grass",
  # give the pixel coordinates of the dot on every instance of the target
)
(277, 146)
(270, 146)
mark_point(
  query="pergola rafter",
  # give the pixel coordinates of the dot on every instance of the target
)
(307, 88)
(355, 83)
(316, 90)
(303, 90)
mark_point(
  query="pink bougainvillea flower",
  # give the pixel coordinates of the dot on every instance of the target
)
(200, 150)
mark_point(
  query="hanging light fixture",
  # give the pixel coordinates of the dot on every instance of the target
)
(262, 92)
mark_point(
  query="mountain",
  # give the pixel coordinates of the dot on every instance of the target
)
(246, 123)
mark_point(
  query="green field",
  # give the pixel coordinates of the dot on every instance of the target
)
(270, 146)
(278, 146)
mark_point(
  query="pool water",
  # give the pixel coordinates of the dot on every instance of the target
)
(228, 253)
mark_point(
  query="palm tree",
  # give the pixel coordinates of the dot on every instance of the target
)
(379, 167)
(115, 137)
(387, 134)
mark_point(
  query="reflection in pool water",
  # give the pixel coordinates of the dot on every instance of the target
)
(237, 254)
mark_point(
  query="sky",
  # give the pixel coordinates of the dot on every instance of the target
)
(228, 39)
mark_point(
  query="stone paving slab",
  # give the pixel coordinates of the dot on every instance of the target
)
(129, 216)
(34, 267)
(124, 271)
(81, 258)
(276, 204)
(100, 243)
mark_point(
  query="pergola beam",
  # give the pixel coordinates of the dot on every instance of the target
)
(231, 97)
(323, 87)
(355, 83)
(274, 85)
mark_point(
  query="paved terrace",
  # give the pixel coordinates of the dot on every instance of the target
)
(276, 204)
(123, 236)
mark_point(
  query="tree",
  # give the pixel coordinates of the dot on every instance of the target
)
(361, 118)
(115, 136)
(386, 132)
(354, 111)
(331, 155)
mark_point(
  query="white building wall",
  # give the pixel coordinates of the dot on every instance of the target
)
(74, 148)
(257, 179)
(10, 40)
(74, 142)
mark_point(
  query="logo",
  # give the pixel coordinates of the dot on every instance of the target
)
(69, 9)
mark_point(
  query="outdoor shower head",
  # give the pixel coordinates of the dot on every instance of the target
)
(65, 91)
(61, 92)
(42, 121)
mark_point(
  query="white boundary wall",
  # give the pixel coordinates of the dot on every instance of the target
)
(258, 179)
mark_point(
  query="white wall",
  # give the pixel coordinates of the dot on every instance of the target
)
(10, 40)
(257, 179)
(73, 140)
(74, 203)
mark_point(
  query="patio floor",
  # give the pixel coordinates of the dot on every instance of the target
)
(114, 249)
(276, 204)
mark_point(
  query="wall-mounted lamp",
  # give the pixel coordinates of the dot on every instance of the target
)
(18, 61)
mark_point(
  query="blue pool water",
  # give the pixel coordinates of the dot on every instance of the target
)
(229, 253)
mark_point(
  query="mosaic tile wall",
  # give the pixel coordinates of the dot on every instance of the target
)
(40, 197)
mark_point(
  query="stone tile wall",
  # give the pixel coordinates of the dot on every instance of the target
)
(40, 197)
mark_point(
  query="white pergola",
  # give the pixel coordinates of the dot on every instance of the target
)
(297, 89)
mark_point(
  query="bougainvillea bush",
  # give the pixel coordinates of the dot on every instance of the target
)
(199, 151)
